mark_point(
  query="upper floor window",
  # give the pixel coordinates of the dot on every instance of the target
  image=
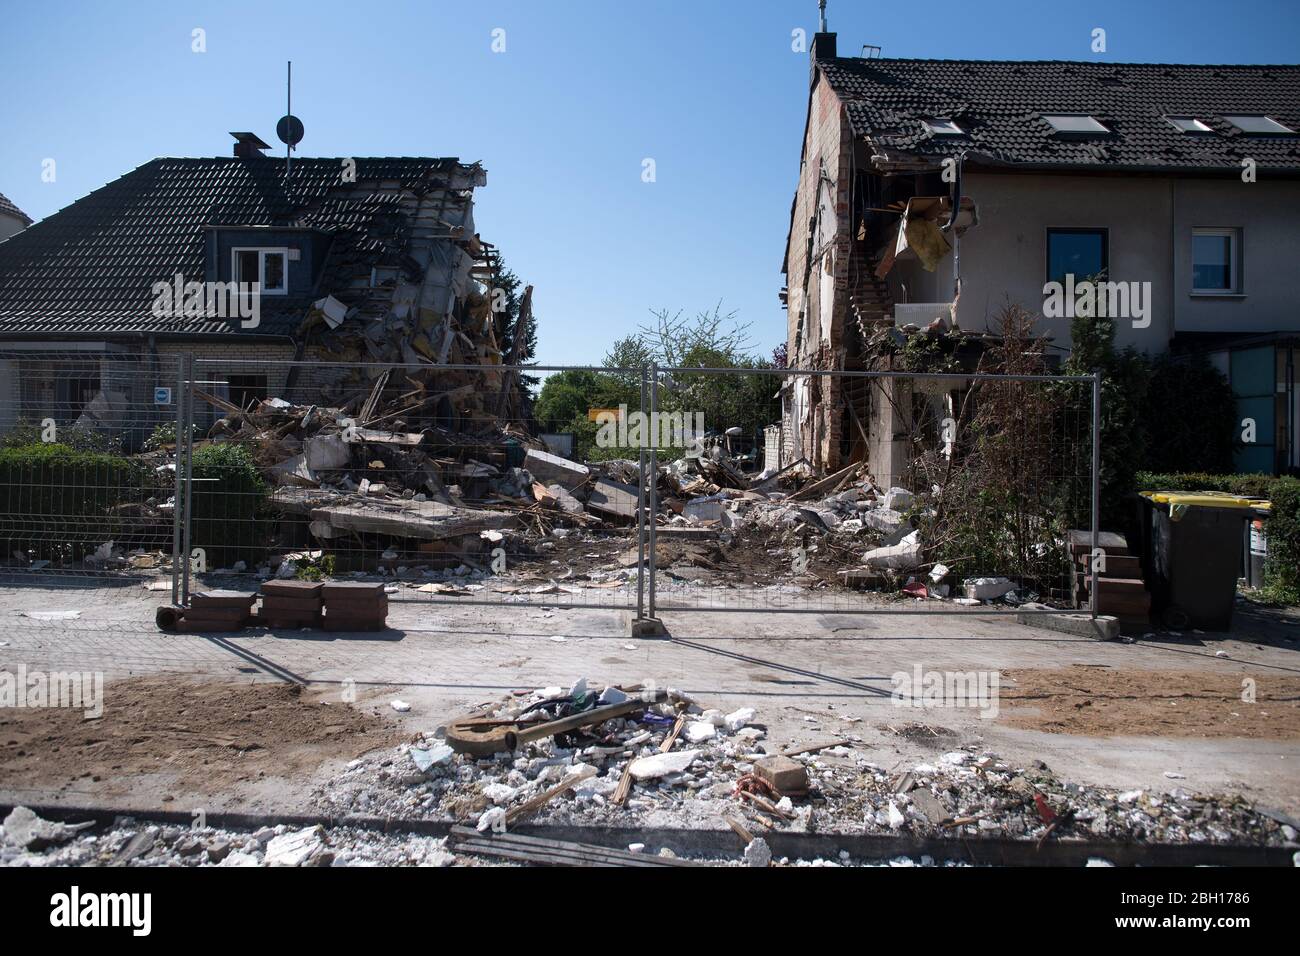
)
(270, 267)
(1216, 261)
(1083, 253)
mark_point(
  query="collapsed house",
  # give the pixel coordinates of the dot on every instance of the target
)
(933, 192)
(358, 261)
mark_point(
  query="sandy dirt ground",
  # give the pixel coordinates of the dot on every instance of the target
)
(254, 721)
(1097, 700)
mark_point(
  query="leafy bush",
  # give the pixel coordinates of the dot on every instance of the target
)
(58, 502)
(26, 433)
(1282, 569)
(229, 510)
(165, 435)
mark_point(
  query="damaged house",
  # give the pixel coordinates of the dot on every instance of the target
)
(366, 260)
(933, 192)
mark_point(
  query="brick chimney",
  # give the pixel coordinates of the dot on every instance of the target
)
(249, 145)
(823, 46)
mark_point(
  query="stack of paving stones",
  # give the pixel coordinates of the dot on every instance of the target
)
(218, 611)
(290, 604)
(355, 606)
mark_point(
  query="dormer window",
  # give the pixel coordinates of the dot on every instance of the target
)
(268, 267)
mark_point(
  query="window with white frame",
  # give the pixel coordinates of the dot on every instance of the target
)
(269, 267)
(1216, 261)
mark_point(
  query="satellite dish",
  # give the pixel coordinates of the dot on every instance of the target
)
(289, 130)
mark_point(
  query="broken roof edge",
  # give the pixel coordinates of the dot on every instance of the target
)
(897, 163)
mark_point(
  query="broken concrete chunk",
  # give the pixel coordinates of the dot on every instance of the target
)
(25, 829)
(325, 452)
(551, 469)
(698, 731)
(886, 520)
(295, 849)
(903, 556)
(897, 499)
(612, 498)
(782, 774)
(986, 589)
(758, 853)
(738, 718)
(660, 765)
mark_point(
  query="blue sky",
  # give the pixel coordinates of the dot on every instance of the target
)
(562, 119)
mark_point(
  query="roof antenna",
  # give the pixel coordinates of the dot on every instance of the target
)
(289, 129)
(821, 16)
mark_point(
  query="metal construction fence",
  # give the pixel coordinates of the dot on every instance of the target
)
(755, 489)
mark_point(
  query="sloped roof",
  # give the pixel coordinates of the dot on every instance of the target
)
(1000, 104)
(88, 269)
(8, 207)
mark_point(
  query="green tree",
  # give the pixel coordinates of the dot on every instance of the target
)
(1125, 381)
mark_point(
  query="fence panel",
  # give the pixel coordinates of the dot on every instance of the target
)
(87, 479)
(427, 477)
(883, 491)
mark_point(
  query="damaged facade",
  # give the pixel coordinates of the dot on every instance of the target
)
(1061, 168)
(367, 260)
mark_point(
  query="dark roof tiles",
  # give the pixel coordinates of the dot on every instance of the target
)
(89, 268)
(1000, 104)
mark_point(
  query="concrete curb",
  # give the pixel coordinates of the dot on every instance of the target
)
(1101, 628)
(724, 844)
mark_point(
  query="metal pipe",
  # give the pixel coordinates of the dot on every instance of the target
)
(179, 484)
(189, 480)
(1096, 491)
(851, 373)
(640, 519)
(652, 518)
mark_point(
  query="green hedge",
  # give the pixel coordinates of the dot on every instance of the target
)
(1282, 569)
(230, 515)
(58, 502)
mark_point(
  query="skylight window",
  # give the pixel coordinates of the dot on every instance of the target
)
(1257, 124)
(1076, 123)
(943, 127)
(1189, 124)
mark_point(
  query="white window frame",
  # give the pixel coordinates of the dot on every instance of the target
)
(263, 252)
(1234, 234)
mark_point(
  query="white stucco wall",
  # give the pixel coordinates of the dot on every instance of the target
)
(1150, 221)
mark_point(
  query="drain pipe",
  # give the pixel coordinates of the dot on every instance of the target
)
(950, 226)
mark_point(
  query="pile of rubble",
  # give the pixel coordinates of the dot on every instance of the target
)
(674, 763)
(28, 840)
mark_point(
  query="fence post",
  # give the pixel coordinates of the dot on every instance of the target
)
(640, 516)
(1096, 491)
(189, 477)
(653, 454)
(180, 484)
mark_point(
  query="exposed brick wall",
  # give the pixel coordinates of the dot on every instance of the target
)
(813, 342)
